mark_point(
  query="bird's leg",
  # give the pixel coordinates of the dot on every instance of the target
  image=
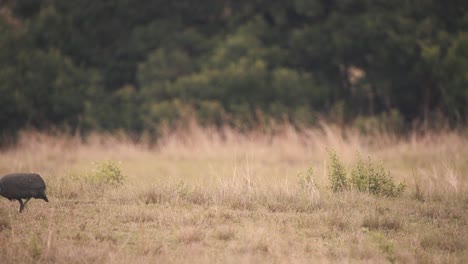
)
(21, 205)
(27, 200)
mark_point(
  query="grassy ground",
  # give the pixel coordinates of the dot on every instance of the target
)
(206, 197)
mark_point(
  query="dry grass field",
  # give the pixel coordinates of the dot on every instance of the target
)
(210, 197)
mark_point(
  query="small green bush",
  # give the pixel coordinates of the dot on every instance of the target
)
(307, 181)
(385, 245)
(36, 246)
(336, 173)
(108, 172)
(374, 179)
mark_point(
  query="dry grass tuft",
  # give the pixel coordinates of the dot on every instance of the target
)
(190, 235)
(225, 233)
(444, 240)
(382, 222)
(4, 220)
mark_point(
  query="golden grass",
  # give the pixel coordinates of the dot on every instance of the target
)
(208, 196)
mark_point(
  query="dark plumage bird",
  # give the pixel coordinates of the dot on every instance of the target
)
(18, 186)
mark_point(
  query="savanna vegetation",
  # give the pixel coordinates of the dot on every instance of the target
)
(202, 197)
(303, 131)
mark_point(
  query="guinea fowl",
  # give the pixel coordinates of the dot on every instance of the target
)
(18, 186)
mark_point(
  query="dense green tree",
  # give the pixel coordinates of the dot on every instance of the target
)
(38, 87)
(136, 65)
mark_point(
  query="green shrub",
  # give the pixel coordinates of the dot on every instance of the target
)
(307, 181)
(108, 172)
(367, 177)
(374, 179)
(336, 173)
(36, 246)
(385, 245)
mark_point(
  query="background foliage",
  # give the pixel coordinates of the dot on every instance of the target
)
(129, 65)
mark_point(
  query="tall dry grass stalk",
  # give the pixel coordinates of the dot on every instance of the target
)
(434, 162)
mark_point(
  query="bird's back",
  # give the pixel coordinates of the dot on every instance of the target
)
(22, 185)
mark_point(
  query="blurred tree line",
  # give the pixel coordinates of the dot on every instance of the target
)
(134, 65)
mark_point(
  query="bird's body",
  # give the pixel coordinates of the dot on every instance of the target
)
(18, 186)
